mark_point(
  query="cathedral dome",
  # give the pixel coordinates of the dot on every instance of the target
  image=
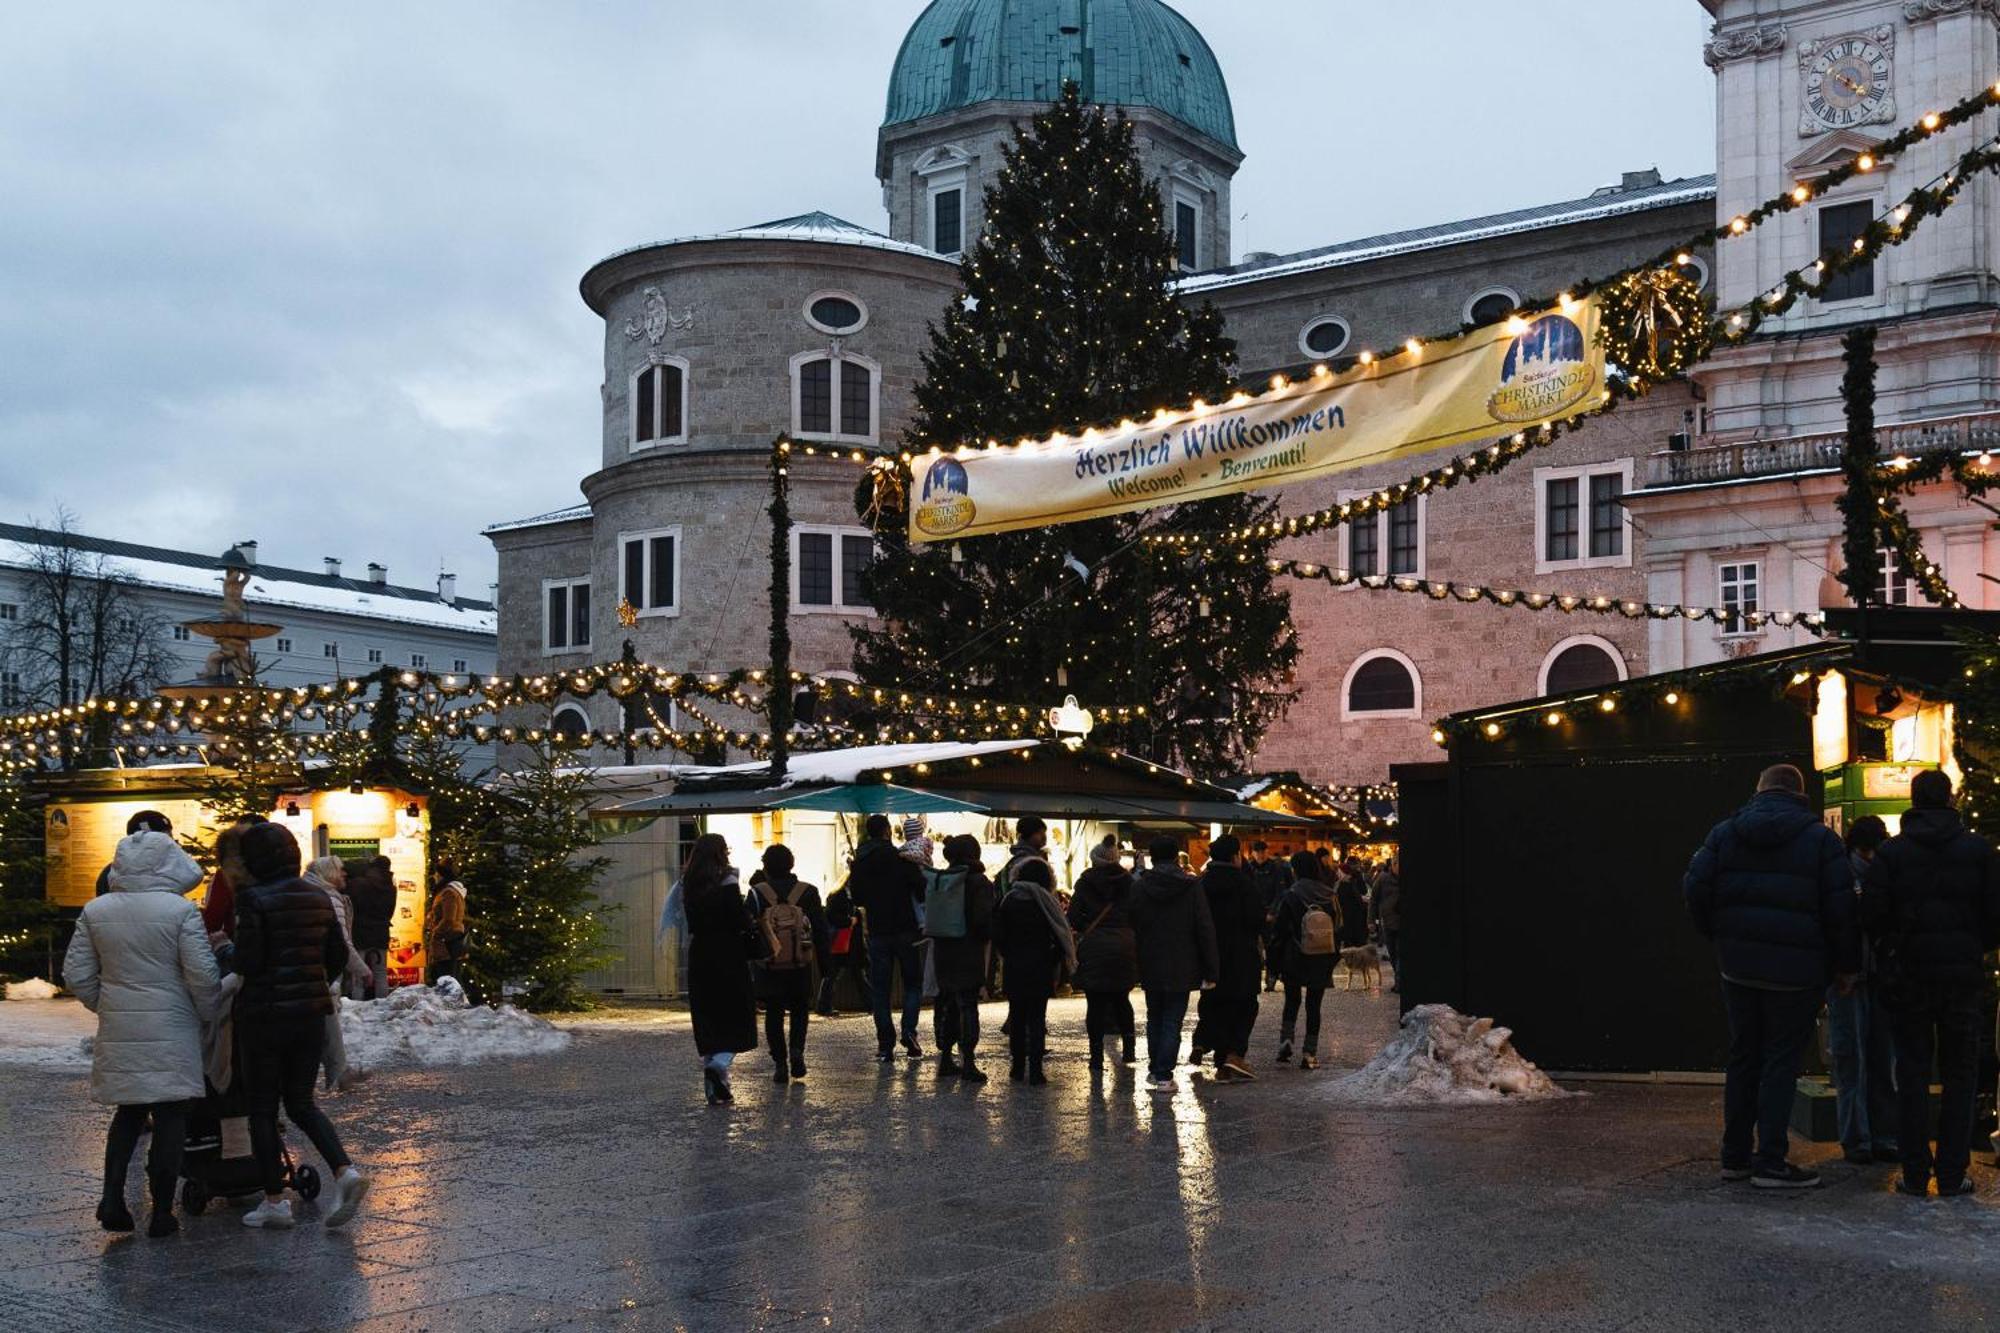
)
(1120, 52)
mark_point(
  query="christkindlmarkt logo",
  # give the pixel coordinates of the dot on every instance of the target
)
(1547, 369)
(944, 507)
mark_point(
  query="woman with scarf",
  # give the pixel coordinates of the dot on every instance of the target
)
(1034, 940)
(708, 900)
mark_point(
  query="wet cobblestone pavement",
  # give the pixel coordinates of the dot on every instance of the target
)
(594, 1190)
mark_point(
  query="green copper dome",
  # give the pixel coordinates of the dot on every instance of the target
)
(1120, 52)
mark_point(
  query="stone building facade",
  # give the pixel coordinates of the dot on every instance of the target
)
(711, 336)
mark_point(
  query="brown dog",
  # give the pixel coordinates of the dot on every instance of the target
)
(1363, 961)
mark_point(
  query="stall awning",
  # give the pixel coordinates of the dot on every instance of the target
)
(862, 798)
(874, 799)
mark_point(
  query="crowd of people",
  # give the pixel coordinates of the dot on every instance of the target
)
(237, 994)
(933, 922)
(1890, 934)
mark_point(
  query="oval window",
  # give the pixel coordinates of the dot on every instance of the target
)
(1489, 307)
(835, 314)
(1324, 337)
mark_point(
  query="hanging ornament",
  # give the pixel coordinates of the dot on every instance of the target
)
(1655, 324)
(886, 491)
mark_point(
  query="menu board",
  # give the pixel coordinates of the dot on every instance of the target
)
(81, 837)
(406, 928)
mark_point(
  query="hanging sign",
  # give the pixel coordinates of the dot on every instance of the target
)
(1494, 381)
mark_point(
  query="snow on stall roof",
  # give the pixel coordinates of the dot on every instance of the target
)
(554, 516)
(851, 765)
(1611, 204)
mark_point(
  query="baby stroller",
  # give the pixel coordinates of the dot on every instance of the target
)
(218, 1162)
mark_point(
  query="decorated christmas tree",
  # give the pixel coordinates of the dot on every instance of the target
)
(1069, 320)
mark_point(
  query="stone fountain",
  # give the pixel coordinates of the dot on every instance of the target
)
(232, 664)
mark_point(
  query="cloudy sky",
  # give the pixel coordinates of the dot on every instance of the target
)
(307, 273)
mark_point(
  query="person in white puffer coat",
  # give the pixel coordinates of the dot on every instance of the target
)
(141, 961)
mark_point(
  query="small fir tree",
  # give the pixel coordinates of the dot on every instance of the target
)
(1068, 321)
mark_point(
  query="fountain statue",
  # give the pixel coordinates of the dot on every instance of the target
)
(232, 663)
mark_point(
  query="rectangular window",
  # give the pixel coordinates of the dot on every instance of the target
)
(1364, 546)
(1737, 589)
(815, 569)
(948, 221)
(419, 661)
(374, 656)
(10, 610)
(11, 693)
(458, 665)
(566, 615)
(1560, 509)
(329, 650)
(1840, 226)
(857, 399)
(816, 397)
(1607, 515)
(857, 553)
(827, 568)
(1403, 540)
(181, 634)
(1186, 224)
(1580, 516)
(1899, 585)
(284, 645)
(648, 577)
(657, 393)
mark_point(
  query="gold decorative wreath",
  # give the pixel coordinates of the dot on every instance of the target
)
(1655, 324)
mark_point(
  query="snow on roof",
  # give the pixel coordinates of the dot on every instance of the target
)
(270, 585)
(554, 516)
(814, 227)
(850, 765)
(1605, 204)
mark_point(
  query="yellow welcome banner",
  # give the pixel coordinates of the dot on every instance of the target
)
(1496, 380)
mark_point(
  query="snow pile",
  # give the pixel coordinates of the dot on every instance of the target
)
(424, 1025)
(34, 988)
(1443, 1058)
(48, 1034)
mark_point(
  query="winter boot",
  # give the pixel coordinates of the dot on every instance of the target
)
(163, 1222)
(1096, 1053)
(1131, 1055)
(113, 1215)
(970, 1072)
(798, 1064)
(947, 1067)
(1036, 1078)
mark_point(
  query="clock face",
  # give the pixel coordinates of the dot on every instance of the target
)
(1847, 84)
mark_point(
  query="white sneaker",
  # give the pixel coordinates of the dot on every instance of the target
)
(348, 1187)
(1160, 1084)
(273, 1213)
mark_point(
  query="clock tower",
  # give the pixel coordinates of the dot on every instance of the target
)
(1802, 87)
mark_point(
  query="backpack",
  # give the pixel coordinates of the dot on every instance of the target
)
(1316, 931)
(786, 929)
(944, 902)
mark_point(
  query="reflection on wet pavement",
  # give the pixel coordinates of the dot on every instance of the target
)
(594, 1190)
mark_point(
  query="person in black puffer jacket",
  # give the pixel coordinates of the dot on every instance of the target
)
(372, 889)
(288, 943)
(887, 887)
(1107, 958)
(1176, 954)
(1771, 886)
(1229, 1011)
(1931, 903)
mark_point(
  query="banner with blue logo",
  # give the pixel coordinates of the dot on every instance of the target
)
(1494, 381)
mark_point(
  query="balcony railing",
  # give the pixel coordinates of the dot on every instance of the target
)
(1979, 431)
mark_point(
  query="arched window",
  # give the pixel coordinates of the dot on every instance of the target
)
(1494, 303)
(570, 723)
(833, 397)
(1383, 684)
(1324, 337)
(1584, 662)
(659, 404)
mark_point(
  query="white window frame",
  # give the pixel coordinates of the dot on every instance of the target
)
(10, 611)
(331, 650)
(1876, 203)
(648, 535)
(13, 693)
(1891, 562)
(420, 662)
(1192, 197)
(874, 370)
(1482, 294)
(841, 294)
(572, 707)
(459, 665)
(569, 613)
(181, 634)
(1755, 565)
(1416, 709)
(1346, 337)
(374, 657)
(282, 646)
(637, 445)
(1380, 518)
(838, 607)
(944, 182)
(1574, 641)
(1697, 269)
(1582, 473)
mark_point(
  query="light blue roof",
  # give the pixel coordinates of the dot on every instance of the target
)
(1120, 52)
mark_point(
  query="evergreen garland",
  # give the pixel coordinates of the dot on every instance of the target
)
(1068, 319)
(1860, 468)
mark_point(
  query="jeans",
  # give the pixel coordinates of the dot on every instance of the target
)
(788, 994)
(855, 960)
(1108, 1013)
(1768, 1033)
(163, 1158)
(1288, 1028)
(955, 1022)
(897, 953)
(1166, 1010)
(279, 1064)
(378, 967)
(1027, 1030)
(1863, 1051)
(1947, 1017)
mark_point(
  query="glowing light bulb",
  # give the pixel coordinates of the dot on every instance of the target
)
(1739, 225)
